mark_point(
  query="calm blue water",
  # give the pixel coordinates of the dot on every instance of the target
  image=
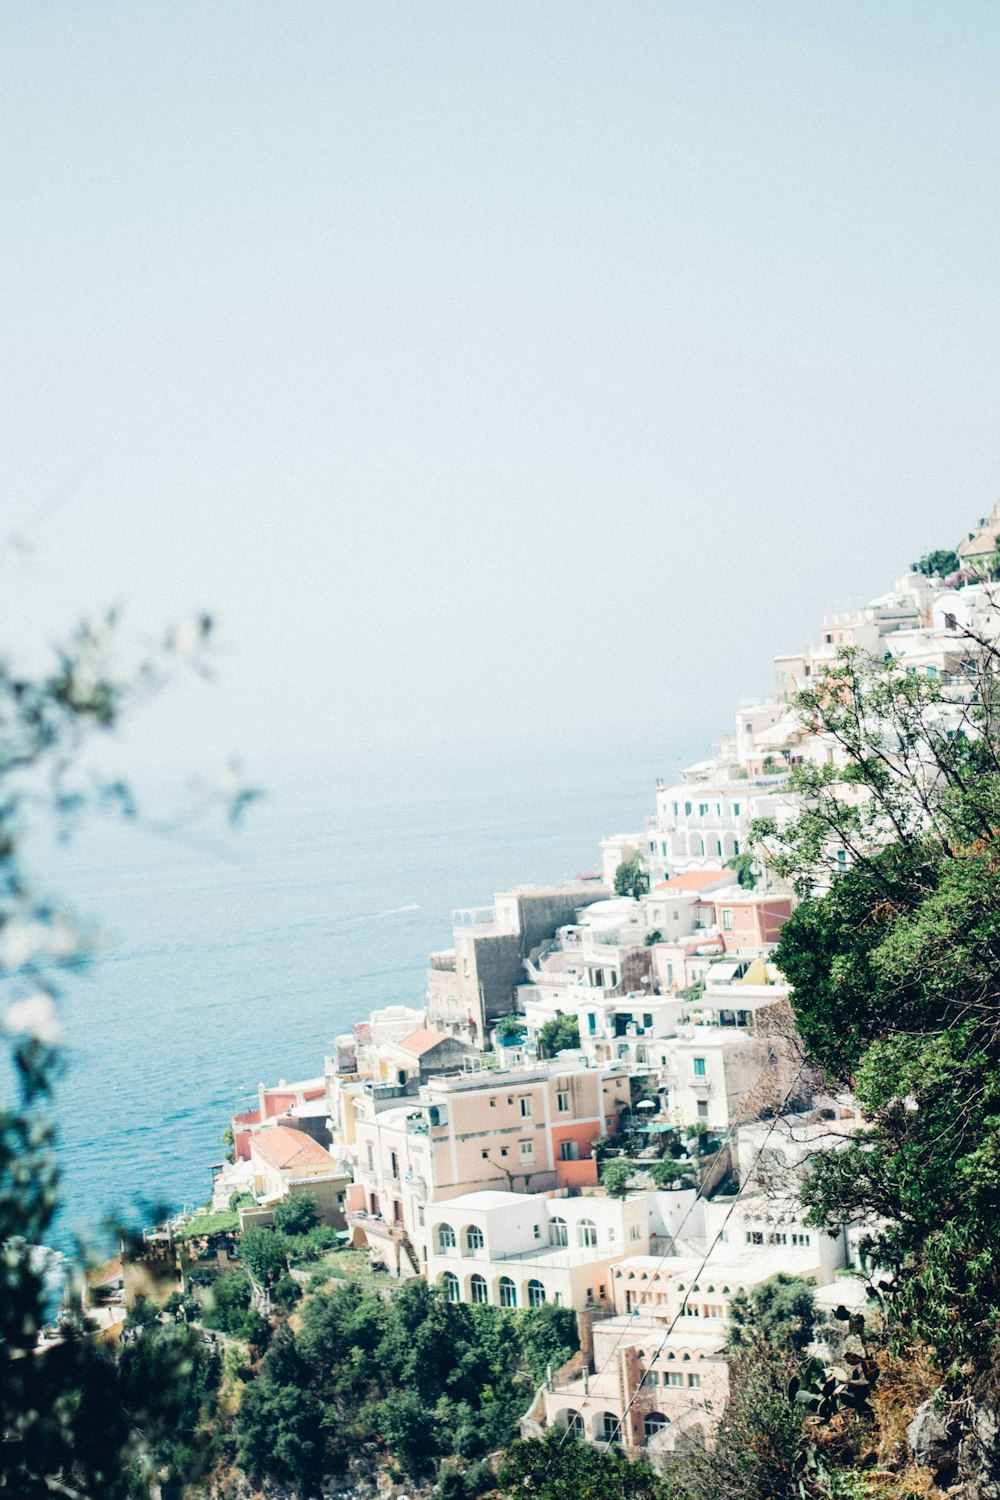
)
(229, 960)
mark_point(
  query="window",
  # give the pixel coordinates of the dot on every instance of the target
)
(478, 1291)
(703, 1109)
(736, 846)
(536, 1294)
(727, 919)
(699, 1067)
(562, 1102)
(801, 1239)
(503, 1151)
(527, 1151)
(687, 809)
(634, 1232)
(651, 1377)
(508, 1292)
(586, 1234)
(445, 1238)
(647, 1018)
(777, 1238)
(558, 1232)
(655, 1422)
(452, 1290)
(714, 1310)
(673, 1377)
(574, 1424)
(493, 1104)
(525, 1107)
(393, 1165)
(569, 1151)
(689, 1310)
(611, 1428)
(663, 850)
(474, 1239)
(736, 813)
(755, 1237)
(694, 1382)
(485, 1156)
(371, 1157)
(591, 1023)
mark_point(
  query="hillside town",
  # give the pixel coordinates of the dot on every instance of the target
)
(631, 1017)
(601, 1103)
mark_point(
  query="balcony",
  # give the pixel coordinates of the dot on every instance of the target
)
(476, 921)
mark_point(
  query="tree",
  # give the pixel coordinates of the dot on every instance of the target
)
(510, 1028)
(264, 1253)
(780, 1309)
(743, 865)
(938, 564)
(553, 1469)
(631, 879)
(75, 1417)
(893, 955)
(562, 1032)
(296, 1214)
(616, 1177)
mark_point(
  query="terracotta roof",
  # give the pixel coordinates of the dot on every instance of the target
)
(420, 1041)
(694, 880)
(284, 1147)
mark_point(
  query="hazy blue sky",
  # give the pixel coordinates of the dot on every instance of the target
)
(490, 369)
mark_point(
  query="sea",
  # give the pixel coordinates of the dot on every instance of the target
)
(228, 957)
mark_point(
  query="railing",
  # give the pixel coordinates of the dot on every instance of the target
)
(478, 920)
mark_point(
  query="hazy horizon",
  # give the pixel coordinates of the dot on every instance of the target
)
(490, 373)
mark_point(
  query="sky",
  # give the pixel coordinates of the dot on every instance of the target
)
(490, 371)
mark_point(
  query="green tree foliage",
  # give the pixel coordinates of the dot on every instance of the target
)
(264, 1252)
(76, 1417)
(668, 1173)
(743, 865)
(780, 1309)
(510, 1028)
(616, 1177)
(296, 1214)
(552, 1469)
(894, 956)
(426, 1378)
(630, 878)
(562, 1032)
(938, 564)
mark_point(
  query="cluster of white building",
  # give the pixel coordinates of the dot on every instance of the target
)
(458, 1152)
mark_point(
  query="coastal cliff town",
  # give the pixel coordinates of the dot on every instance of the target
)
(601, 1103)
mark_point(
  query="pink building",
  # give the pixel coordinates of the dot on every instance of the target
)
(749, 921)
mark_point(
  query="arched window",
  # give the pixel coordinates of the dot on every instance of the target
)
(473, 1239)
(586, 1234)
(452, 1290)
(536, 1294)
(508, 1292)
(478, 1290)
(654, 1423)
(574, 1424)
(611, 1428)
(445, 1238)
(558, 1232)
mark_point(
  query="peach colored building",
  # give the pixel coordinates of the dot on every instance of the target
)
(529, 1130)
(284, 1161)
(648, 1393)
(749, 921)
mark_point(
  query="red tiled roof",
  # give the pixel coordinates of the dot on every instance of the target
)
(420, 1041)
(694, 880)
(284, 1147)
